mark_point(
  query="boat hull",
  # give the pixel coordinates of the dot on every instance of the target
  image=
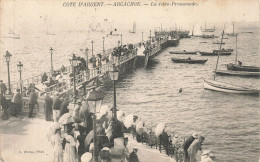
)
(182, 52)
(238, 73)
(189, 61)
(215, 53)
(228, 88)
(236, 67)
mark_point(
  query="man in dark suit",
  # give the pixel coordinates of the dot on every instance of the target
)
(187, 144)
(48, 106)
(133, 156)
(56, 107)
(32, 101)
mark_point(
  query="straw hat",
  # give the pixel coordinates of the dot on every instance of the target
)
(195, 135)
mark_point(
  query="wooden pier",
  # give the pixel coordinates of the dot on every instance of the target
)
(124, 63)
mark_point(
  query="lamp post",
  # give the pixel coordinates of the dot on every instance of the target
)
(118, 43)
(150, 40)
(74, 64)
(114, 76)
(121, 39)
(86, 52)
(119, 54)
(92, 46)
(20, 68)
(8, 59)
(51, 49)
(142, 36)
(94, 99)
(103, 45)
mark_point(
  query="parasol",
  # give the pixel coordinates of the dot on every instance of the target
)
(67, 118)
(53, 128)
(159, 129)
(86, 157)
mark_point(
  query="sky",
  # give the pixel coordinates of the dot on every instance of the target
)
(33, 16)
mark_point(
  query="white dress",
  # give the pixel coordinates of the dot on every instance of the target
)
(57, 144)
(70, 154)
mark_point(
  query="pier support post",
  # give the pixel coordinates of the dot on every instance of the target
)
(51, 61)
(8, 59)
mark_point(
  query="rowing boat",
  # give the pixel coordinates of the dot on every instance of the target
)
(236, 67)
(215, 53)
(229, 88)
(189, 60)
(184, 52)
(238, 73)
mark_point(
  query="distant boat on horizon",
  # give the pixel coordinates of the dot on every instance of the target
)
(134, 28)
(208, 29)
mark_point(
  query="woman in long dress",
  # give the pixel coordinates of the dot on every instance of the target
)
(70, 148)
(57, 144)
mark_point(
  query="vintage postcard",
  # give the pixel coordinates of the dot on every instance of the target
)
(141, 80)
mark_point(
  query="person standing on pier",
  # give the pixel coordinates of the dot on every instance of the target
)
(4, 107)
(57, 144)
(194, 147)
(133, 156)
(56, 107)
(44, 77)
(187, 144)
(48, 106)
(64, 106)
(32, 101)
(17, 101)
(3, 87)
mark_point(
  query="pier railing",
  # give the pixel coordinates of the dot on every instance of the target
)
(163, 144)
(93, 72)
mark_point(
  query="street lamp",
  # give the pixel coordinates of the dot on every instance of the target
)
(114, 76)
(119, 53)
(121, 39)
(8, 59)
(150, 41)
(142, 37)
(74, 64)
(103, 45)
(94, 99)
(51, 49)
(20, 68)
(92, 47)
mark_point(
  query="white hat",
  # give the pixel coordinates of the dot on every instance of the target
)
(106, 149)
(195, 135)
(86, 157)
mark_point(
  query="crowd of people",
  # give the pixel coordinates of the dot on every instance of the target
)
(71, 133)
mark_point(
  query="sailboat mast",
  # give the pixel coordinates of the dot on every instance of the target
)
(192, 30)
(218, 54)
(233, 28)
(236, 50)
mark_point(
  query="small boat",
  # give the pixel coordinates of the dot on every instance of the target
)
(223, 50)
(189, 60)
(218, 43)
(229, 88)
(134, 28)
(239, 67)
(247, 32)
(203, 42)
(236, 67)
(215, 53)
(226, 87)
(184, 52)
(208, 36)
(238, 73)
